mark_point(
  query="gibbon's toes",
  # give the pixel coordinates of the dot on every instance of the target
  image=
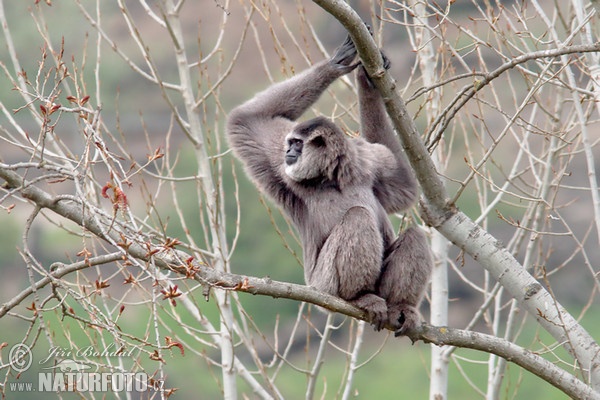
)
(376, 309)
(404, 318)
(378, 315)
(378, 319)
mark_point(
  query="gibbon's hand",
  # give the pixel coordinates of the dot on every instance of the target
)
(386, 61)
(344, 56)
(364, 77)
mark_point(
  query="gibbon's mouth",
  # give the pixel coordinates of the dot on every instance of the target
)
(290, 159)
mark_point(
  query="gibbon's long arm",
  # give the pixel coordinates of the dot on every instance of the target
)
(258, 127)
(396, 186)
(291, 98)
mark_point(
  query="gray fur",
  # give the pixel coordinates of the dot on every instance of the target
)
(339, 191)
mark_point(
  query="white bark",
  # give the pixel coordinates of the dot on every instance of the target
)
(426, 54)
(353, 364)
(438, 386)
(193, 127)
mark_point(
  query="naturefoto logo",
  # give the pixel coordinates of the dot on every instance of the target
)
(60, 371)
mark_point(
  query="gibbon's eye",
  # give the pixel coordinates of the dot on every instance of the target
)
(295, 144)
(318, 141)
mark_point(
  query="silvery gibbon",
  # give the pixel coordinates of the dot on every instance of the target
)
(338, 190)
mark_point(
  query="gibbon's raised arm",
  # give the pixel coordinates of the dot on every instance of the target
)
(258, 127)
(396, 187)
(291, 98)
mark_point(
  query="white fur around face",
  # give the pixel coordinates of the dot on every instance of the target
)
(289, 171)
(303, 169)
(294, 171)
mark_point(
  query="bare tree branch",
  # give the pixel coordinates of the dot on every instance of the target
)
(57, 271)
(530, 361)
(468, 92)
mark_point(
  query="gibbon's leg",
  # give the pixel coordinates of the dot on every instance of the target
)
(406, 269)
(349, 264)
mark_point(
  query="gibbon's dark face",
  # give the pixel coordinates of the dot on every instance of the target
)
(307, 154)
(294, 150)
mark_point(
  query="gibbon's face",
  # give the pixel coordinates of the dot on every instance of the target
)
(302, 160)
(312, 148)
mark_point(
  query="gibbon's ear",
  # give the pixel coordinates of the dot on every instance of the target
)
(318, 141)
(341, 171)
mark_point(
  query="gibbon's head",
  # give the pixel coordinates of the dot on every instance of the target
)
(317, 151)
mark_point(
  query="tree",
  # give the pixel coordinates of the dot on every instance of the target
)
(499, 120)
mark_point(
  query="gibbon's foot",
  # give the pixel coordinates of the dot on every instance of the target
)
(345, 55)
(375, 307)
(403, 318)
